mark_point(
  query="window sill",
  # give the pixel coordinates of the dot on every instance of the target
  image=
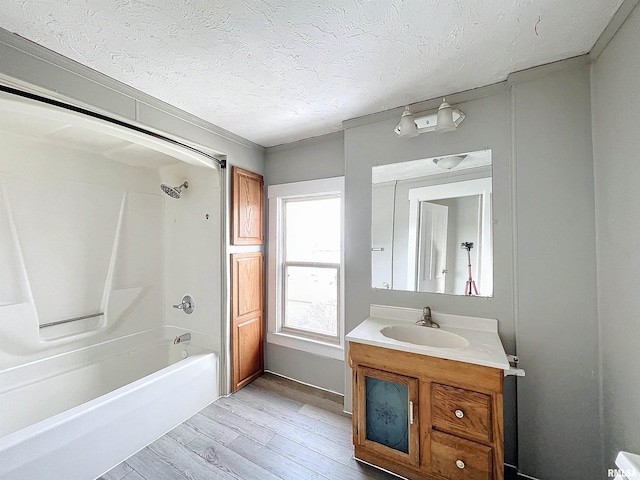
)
(308, 345)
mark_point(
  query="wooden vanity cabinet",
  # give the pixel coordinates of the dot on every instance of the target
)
(452, 412)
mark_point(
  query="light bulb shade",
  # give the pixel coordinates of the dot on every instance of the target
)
(407, 126)
(445, 121)
(447, 163)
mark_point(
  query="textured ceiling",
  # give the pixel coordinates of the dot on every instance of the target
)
(278, 71)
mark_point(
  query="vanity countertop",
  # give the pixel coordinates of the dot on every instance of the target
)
(485, 347)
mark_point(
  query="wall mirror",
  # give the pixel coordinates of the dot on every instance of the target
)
(431, 225)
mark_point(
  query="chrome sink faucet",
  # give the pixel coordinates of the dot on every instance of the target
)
(426, 320)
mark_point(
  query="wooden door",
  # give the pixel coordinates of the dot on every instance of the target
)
(247, 224)
(247, 314)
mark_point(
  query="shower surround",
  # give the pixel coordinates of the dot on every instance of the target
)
(94, 253)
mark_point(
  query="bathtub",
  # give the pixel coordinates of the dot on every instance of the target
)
(78, 414)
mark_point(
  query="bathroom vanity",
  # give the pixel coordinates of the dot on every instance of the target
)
(427, 402)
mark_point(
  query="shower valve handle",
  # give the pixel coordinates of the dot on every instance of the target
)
(187, 304)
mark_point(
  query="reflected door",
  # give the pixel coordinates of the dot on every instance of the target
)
(388, 414)
(382, 198)
(432, 247)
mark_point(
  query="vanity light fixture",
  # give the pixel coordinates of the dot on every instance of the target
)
(447, 163)
(446, 119)
(407, 126)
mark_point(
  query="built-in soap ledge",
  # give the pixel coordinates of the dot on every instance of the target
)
(12, 309)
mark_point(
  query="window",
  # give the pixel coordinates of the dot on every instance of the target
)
(305, 266)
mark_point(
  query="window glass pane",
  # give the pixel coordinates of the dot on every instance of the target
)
(387, 413)
(312, 230)
(311, 299)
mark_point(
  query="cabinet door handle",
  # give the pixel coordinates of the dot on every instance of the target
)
(460, 464)
(410, 413)
(459, 413)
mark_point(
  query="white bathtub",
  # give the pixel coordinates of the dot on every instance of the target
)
(77, 415)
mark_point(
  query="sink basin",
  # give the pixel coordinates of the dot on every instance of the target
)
(425, 336)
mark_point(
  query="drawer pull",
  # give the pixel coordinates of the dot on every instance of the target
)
(410, 413)
(459, 413)
(460, 464)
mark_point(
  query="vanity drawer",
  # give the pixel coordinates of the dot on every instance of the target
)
(461, 412)
(458, 459)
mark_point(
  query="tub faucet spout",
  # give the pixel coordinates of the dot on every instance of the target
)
(185, 337)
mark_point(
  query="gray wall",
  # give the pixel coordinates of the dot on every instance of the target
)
(616, 141)
(321, 157)
(557, 324)
(317, 157)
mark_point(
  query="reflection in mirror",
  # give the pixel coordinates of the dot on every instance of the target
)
(431, 225)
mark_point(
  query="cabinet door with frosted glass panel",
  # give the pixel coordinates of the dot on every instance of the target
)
(387, 422)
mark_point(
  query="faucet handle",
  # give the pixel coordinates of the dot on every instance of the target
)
(187, 304)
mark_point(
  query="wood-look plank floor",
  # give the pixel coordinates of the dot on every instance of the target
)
(271, 429)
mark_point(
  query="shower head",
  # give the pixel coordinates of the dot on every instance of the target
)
(173, 192)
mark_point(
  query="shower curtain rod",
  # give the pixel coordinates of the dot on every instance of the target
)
(84, 111)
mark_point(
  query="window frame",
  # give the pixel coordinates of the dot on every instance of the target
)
(277, 333)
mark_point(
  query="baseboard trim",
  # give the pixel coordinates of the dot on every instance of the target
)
(340, 395)
(511, 473)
